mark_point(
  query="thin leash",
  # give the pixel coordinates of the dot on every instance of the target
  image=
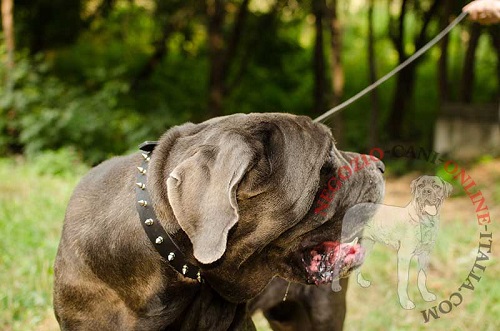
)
(394, 71)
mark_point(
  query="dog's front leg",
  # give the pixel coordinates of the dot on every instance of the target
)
(367, 245)
(404, 258)
(423, 261)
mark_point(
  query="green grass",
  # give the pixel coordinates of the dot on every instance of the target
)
(33, 198)
(377, 307)
(32, 206)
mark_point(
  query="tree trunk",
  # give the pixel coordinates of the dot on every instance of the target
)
(443, 85)
(160, 51)
(222, 53)
(469, 63)
(494, 32)
(406, 78)
(10, 128)
(336, 69)
(398, 108)
(405, 83)
(374, 116)
(234, 39)
(319, 105)
(8, 30)
(216, 13)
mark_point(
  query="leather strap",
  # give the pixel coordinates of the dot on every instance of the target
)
(160, 239)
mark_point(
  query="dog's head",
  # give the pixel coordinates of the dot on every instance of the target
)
(243, 190)
(429, 193)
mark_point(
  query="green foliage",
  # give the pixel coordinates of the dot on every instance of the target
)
(38, 23)
(42, 113)
(446, 176)
(278, 76)
(485, 159)
(87, 95)
(64, 162)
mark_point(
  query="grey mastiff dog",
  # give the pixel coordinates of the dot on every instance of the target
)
(235, 194)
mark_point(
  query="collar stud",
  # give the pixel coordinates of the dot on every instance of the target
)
(159, 238)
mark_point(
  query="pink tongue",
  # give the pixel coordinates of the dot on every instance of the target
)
(331, 260)
(323, 255)
(430, 209)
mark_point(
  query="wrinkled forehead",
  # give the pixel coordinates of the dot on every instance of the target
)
(282, 120)
(294, 130)
(430, 181)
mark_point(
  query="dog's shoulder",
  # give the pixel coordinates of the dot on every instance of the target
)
(107, 185)
(110, 173)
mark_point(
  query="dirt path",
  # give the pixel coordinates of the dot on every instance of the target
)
(486, 176)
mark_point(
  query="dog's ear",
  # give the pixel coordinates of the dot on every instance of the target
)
(413, 185)
(447, 188)
(202, 193)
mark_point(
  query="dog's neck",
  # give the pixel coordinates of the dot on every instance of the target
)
(160, 239)
(203, 309)
(412, 211)
(180, 305)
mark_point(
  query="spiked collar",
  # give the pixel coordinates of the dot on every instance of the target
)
(160, 239)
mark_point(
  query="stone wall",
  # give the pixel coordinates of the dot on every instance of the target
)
(468, 131)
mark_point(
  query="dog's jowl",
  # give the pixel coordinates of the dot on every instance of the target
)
(234, 197)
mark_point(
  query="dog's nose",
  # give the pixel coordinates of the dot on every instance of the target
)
(379, 164)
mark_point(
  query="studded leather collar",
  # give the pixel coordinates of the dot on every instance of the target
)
(160, 239)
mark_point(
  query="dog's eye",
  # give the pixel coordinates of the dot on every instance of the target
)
(436, 187)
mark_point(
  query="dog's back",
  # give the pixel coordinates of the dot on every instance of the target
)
(390, 225)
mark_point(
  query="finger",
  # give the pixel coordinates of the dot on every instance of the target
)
(473, 15)
(466, 8)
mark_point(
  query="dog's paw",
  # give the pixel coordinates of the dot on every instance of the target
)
(336, 287)
(428, 296)
(407, 304)
(363, 282)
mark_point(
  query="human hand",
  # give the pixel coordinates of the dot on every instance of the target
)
(484, 11)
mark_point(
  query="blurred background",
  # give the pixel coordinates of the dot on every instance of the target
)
(83, 80)
(100, 76)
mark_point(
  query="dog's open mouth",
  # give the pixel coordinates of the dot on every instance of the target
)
(332, 260)
(430, 208)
